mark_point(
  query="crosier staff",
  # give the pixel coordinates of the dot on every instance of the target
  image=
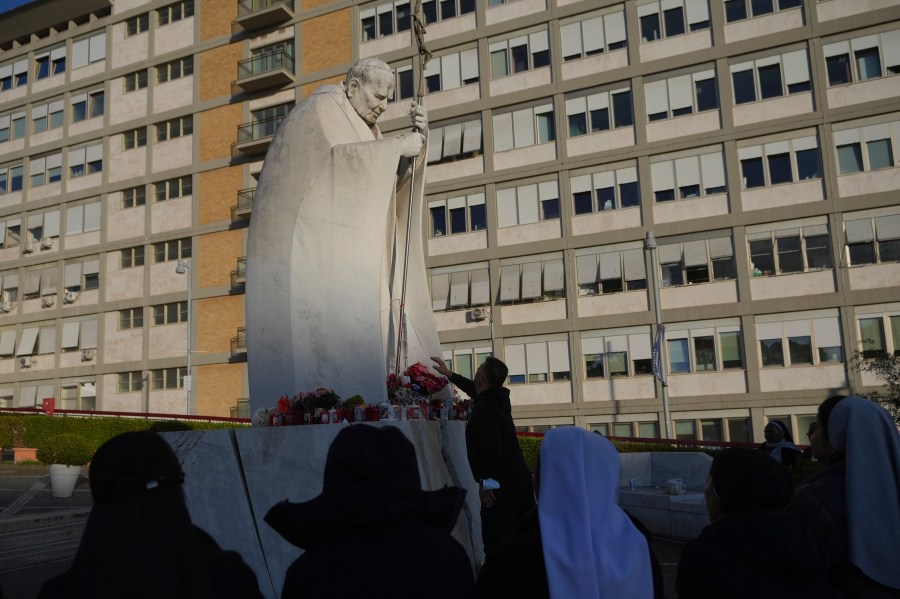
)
(418, 18)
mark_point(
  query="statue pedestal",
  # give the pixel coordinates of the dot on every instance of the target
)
(233, 478)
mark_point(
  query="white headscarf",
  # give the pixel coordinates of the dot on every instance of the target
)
(591, 548)
(865, 432)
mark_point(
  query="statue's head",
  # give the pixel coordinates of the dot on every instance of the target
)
(369, 84)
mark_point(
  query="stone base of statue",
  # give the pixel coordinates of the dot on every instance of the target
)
(233, 478)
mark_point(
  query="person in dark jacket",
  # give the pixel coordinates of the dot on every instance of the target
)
(493, 450)
(578, 542)
(373, 531)
(850, 507)
(780, 444)
(750, 549)
(139, 540)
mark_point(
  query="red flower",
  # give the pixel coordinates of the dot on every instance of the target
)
(284, 404)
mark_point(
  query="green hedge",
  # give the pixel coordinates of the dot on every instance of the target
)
(33, 431)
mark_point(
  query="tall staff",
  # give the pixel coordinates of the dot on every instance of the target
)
(418, 18)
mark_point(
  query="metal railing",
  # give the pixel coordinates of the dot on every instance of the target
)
(239, 275)
(239, 342)
(258, 129)
(241, 409)
(107, 414)
(245, 199)
(248, 7)
(265, 63)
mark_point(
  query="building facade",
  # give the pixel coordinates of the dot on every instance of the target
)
(755, 139)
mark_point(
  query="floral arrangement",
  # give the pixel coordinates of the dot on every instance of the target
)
(417, 383)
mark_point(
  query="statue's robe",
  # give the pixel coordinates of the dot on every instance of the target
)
(325, 257)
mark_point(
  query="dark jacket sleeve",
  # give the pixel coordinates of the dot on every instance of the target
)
(465, 385)
(484, 443)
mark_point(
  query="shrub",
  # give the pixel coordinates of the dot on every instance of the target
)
(68, 448)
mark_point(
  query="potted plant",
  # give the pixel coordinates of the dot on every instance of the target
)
(65, 454)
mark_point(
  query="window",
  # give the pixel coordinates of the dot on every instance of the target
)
(404, 87)
(268, 58)
(43, 226)
(78, 396)
(538, 280)
(86, 161)
(175, 69)
(519, 54)
(454, 141)
(131, 257)
(174, 128)
(10, 234)
(48, 64)
(131, 318)
(593, 35)
(687, 177)
(82, 218)
(790, 250)
(681, 95)
(135, 81)
(672, 18)
(166, 251)
(79, 334)
(130, 381)
(12, 126)
(11, 177)
(695, 349)
(135, 138)
(14, 74)
(451, 71)
(698, 261)
(386, 19)
(865, 148)
(605, 190)
(175, 12)
(599, 112)
(737, 10)
(173, 313)
(611, 271)
(466, 360)
(46, 169)
(167, 378)
(44, 116)
(89, 50)
(265, 121)
(134, 196)
(87, 106)
(83, 275)
(460, 214)
(523, 128)
(771, 77)
(527, 204)
(873, 240)
(806, 339)
(136, 25)
(173, 188)
(775, 163)
(614, 354)
(863, 58)
(460, 287)
(538, 362)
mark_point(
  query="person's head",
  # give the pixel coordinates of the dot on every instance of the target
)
(131, 465)
(492, 373)
(369, 84)
(812, 429)
(741, 478)
(776, 431)
(822, 449)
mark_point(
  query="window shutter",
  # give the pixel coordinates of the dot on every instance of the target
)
(80, 53)
(450, 72)
(536, 356)
(89, 334)
(471, 136)
(74, 220)
(695, 253)
(70, 335)
(554, 279)
(440, 291)
(687, 171)
(634, 265)
(531, 280)
(827, 332)
(610, 266)
(527, 200)
(435, 144)
(697, 11)
(681, 92)
(859, 231)
(614, 26)
(570, 38)
(593, 34)
(888, 227)
(523, 127)
(507, 213)
(713, 168)
(452, 140)
(586, 267)
(481, 287)
(559, 356)
(663, 175)
(503, 132)
(459, 289)
(515, 359)
(720, 247)
(73, 275)
(669, 253)
(469, 63)
(640, 346)
(26, 344)
(796, 68)
(509, 283)
(656, 97)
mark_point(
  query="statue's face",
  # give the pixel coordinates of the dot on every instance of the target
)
(370, 99)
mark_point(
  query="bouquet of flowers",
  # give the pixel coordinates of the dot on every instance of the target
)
(320, 398)
(417, 383)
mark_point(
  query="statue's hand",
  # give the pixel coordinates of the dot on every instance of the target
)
(419, 117)
(411, 144)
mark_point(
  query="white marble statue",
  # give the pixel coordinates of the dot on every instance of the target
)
(326, 244)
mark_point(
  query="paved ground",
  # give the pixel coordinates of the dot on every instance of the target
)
(25, 491)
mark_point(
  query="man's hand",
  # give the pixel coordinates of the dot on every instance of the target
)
(487, 497)
(419, 117)
(411, 144)
(441, 367)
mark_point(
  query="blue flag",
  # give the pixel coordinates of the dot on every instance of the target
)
(655, 353)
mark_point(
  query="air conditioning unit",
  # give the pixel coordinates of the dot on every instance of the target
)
(46, 243)
(25, 362)
(87, 355)
(6, 306)
(480, 313)
(71, 297)
(48, 301)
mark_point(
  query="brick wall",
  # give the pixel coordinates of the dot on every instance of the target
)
(217, 255)
(218, 193)
(326, 41)
(216, 17)
(217, 69)
(309, 88)
(218, 319)
(218, 131)
(217, 388)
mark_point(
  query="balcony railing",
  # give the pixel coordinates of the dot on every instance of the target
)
(255, 137)
(239, 275)
(244, 204)
(241, 409)
(239, 342)
(275, 68)
(253, 14)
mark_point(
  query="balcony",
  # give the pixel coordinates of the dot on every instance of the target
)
(241, 409)
(255, 137)
(239, 343)
(255, 14)
(272, 69)
(239, 275)
(244, 204)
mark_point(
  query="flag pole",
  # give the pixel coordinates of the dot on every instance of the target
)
(659, 344)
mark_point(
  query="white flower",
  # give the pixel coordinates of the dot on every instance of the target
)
(261, 417)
